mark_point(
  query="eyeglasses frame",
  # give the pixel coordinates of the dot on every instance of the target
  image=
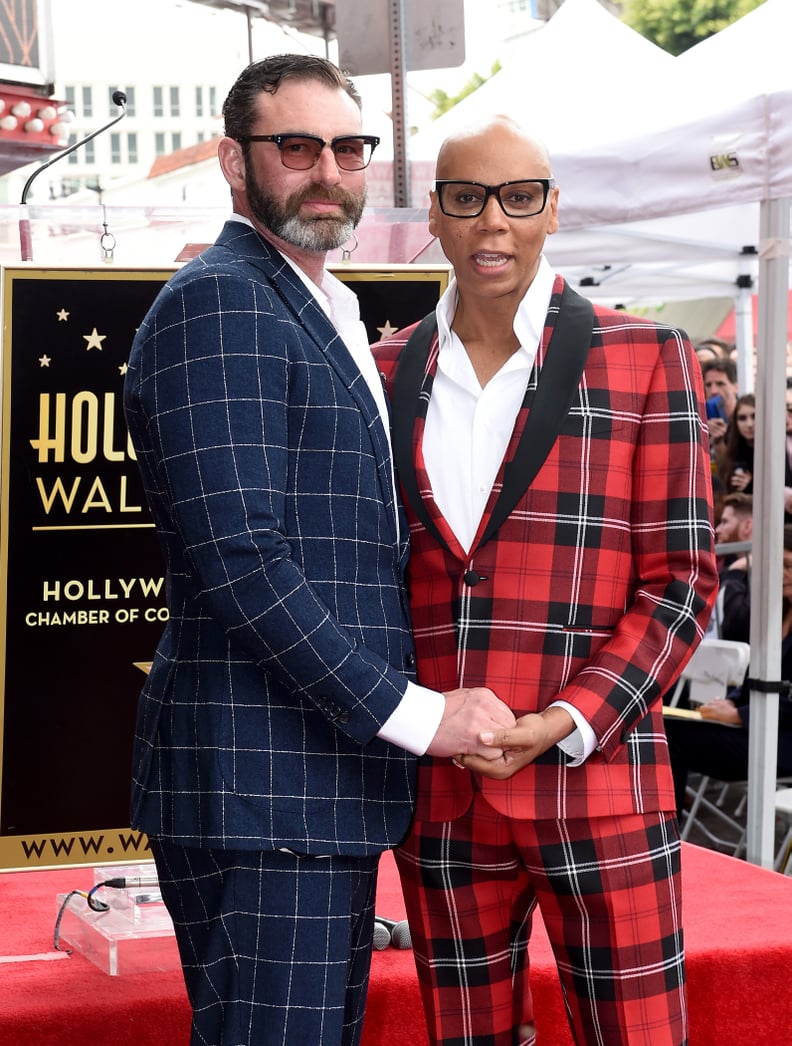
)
(278, 139)
(493, 190)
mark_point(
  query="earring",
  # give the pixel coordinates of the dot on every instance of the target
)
(346, 251)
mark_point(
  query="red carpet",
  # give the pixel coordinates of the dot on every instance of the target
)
(738, 921)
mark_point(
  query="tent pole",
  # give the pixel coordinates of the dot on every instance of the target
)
(768, 534)
(744, 338)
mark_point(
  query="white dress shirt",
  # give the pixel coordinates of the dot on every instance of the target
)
(468, 429)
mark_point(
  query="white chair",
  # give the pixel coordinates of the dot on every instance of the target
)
(716, 666)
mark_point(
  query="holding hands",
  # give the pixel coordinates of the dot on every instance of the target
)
(531, 736)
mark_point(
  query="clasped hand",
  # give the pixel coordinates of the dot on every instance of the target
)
(469, 713)
(519, 745)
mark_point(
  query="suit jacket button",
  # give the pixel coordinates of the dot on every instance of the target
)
(342, 717)
(471, 578)
(409, 660)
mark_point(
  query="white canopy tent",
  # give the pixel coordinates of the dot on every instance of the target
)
(633, 231)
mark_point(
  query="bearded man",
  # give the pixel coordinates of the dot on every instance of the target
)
(279, 725)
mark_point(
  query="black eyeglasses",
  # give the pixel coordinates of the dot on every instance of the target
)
(521, 199)
(301, 152)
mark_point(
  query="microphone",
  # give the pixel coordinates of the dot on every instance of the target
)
(387, 931)
(133, 883)
(382, 936)
(25, 239)
(130, 882)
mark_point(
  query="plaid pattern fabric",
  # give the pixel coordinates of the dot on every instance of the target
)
(267, 470)
(609, 891)
(268, 967)
(595, 589)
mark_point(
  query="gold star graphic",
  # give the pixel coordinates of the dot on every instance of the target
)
(94, 340)
(62, 315)
(44, 361)
(387, 331)
(122, 369)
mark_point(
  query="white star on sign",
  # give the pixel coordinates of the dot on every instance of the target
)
(94, 340)
(387, 331)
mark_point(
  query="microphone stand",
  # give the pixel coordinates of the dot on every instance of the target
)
(25, 237)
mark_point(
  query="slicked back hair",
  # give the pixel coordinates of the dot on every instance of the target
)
(239, 108)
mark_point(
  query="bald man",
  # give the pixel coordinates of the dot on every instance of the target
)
(554, 464)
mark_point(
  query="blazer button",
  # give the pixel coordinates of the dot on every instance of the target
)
(342, 717)
(471, 578)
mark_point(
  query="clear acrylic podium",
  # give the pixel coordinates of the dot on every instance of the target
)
(135, 933)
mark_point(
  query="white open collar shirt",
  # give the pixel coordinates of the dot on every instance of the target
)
(478, 423)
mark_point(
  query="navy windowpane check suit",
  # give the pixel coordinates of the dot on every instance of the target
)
(267, 471)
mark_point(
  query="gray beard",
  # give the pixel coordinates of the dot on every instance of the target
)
(312, 234)
(320, 235)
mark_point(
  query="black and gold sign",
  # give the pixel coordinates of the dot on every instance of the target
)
(83, 600)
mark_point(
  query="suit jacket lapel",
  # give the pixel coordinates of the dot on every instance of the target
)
(255, 249)
(411, 389)
(565, 358)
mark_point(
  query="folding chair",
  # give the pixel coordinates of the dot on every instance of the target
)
(783, 808)
(717, 665)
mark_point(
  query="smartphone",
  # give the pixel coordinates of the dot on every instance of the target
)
(715, 408)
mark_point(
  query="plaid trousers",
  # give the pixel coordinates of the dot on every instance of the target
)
(609, 892)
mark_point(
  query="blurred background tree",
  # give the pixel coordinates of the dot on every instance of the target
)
(676, 25)
(443, 102)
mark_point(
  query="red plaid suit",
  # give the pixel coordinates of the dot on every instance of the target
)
(591, 579)
(594, 589)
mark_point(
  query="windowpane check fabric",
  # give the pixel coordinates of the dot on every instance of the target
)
(287, 963)
(267, 470)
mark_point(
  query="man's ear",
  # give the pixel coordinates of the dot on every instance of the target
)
(552, 206)
(232, 163)
(433, 205)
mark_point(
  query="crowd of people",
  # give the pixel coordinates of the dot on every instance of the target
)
(731, 416)
(731, 423)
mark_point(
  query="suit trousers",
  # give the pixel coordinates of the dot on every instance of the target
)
(609, 892)
(275, 946)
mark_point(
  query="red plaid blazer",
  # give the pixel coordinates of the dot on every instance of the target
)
(593, 573)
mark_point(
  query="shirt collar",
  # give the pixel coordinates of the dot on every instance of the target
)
(529, 321)
(335, 298)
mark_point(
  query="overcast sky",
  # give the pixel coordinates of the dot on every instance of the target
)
(154, 32)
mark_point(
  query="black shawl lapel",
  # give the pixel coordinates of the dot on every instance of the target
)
(565, 359)
(408, 385)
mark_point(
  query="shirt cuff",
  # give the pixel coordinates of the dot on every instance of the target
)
(581, 742)
(414, 721)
